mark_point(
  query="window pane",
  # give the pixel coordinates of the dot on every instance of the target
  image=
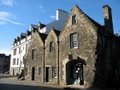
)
(14, 52)
(19, 50)
(39, 70)
(74, 19)
(14, 61)
(33, 54)
(17, 61)
(51, 46)
(73, 40)
(54, 74)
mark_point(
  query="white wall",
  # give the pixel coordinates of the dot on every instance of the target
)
(23, 44)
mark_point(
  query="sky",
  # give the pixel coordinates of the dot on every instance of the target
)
(16, 16)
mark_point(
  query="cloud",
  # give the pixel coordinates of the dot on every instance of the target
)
(5, 14)
(52, 16)
(5, 51)
(9, 3)
(10, 21)
(42, 9)
(2, 22)
(6, 17)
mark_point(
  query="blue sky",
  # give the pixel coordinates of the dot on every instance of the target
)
(17, 15)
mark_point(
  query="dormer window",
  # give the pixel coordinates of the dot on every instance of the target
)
(74, 19)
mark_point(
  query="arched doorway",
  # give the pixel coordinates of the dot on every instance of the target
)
(74, 72)
(78, 73)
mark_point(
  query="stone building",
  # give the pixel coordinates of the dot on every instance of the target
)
(87, 51)
(35, 57)
(51, 56)
(84, 53)
(21, 43)
(4, 64)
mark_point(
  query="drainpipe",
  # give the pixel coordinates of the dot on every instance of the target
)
(44, 63)
(58, 60)
(24, 60)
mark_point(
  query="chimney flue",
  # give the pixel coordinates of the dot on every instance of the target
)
(108, 19)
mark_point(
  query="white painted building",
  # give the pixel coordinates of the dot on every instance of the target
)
(18, 50)
(20, 45)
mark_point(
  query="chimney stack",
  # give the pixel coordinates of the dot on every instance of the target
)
(61, 15)
(108, 19)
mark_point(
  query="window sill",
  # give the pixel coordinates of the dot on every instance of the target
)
(74, 48)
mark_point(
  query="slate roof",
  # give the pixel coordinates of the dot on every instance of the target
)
(28, 33)
(23, 35)
(57, 32)
(43, 36)
(40, 25)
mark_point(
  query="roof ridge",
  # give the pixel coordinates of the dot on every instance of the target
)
(92, 20)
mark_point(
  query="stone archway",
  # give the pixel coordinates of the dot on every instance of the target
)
(78, 73)
(74, 72)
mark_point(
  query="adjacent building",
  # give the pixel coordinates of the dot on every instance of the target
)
(51, 56)
(34, 57)
(4, 64)
(18, 50)
(83, 53)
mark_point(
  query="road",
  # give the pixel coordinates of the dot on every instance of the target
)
(12, 83)
(25, 87)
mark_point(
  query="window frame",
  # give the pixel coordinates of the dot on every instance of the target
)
(19, 50)
(73, 40)
(33, 54)
(14, 61)
(54, 72)
(17, 61)
(51, 46)
(15, 51)
(39, 70)
(74, 19)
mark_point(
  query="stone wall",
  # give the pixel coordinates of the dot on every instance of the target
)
(97, 50)
(51, 57)
(38, 45)
(87, 41)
